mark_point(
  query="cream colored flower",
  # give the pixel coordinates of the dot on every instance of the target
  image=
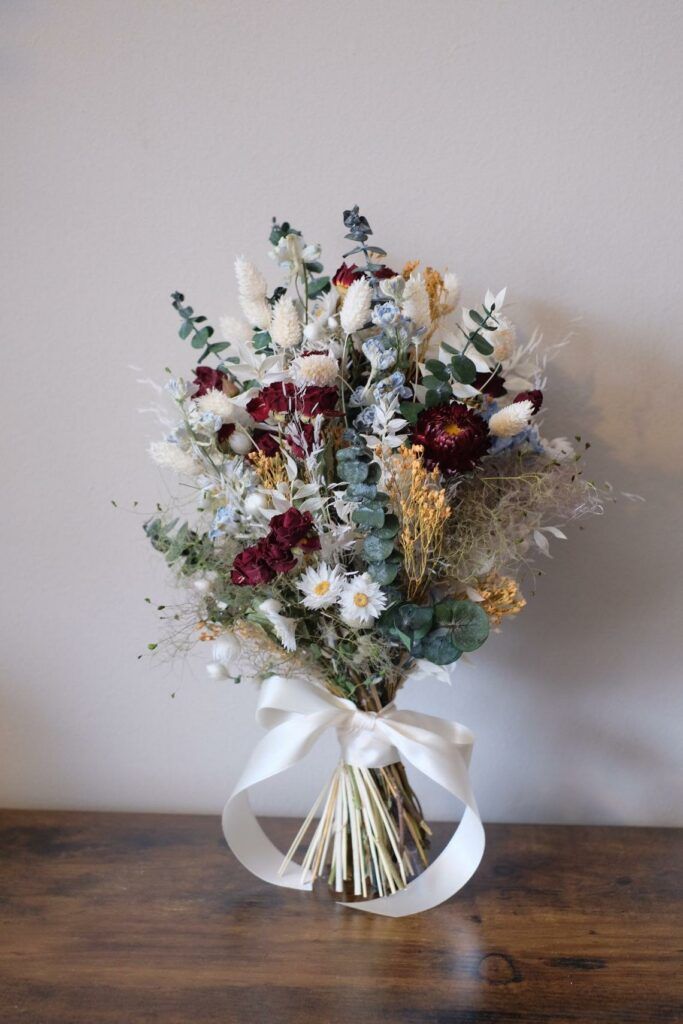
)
(362, 601)
(415, 301)
(321, 585)
(355, 312)
(252, 288)
(285, 328)
(512, 419)
(321, 370)
(504, 340)
(452, 286)
(283, 627)
(169, 455)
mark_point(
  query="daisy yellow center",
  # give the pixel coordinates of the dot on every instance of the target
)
(321, 588)
(453, 430)
(360, 600)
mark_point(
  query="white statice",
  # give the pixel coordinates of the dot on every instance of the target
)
(321, 585)
(560, 449)
(317, 369)
(362, 601)
(452, 287)
(512, 419)
(170, 455)
(203, 583)
(504, 339)
(283, 627)
(355, 312)
(416, 301)
(252, 288)
(285, 328)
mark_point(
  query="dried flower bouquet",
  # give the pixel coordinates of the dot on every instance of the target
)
(370, 484)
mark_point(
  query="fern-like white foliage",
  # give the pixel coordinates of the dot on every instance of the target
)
(388, 426)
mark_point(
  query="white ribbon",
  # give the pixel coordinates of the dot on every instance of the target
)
(296, 713)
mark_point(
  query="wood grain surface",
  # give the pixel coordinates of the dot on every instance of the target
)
(128, 919)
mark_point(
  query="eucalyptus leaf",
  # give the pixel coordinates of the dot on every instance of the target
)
(437, 647)
(353, 472)
(437, 369)
(467, 622)
(376, 549)
(464, 369)
(369, 518)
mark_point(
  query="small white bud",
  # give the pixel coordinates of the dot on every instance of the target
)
(240, 442)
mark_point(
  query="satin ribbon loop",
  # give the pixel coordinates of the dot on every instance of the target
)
(296, 712)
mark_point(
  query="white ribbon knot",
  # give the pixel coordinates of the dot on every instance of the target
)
(296, 713)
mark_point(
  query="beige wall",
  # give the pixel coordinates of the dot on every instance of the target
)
(530, 144)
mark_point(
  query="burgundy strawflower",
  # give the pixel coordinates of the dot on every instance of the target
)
(294, 529)
(454, 438)
(493, 386)
(535, 397)
(208, 379)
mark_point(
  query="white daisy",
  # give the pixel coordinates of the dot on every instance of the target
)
(283, 627)
(362, 601)
(320, 585)
(317, 369)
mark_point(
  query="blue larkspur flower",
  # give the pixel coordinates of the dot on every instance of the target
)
(386, 314)
(224, 517)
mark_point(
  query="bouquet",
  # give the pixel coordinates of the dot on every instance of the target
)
(369, 487)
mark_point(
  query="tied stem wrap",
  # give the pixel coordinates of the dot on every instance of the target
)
(296, 713)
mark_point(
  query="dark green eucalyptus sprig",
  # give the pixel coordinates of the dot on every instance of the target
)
(441, 632)
(196, 329)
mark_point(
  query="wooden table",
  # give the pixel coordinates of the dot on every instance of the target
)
(125, 919)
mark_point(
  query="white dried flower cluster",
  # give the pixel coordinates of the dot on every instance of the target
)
(317, 369)
(509, 421)
(252, 288)
(356, 309)
(170, 455)
(285, 328)
(218, 403)
(416, 301)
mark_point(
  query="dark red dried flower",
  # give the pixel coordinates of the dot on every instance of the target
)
(261, 563)
(283, 399)
(301, 442)
(208, 379)
(454, 438)
(345, 276)
(294, 529)
(318, 401)
(266, 442)
(493, 386)
(273, 399)
(535, 397)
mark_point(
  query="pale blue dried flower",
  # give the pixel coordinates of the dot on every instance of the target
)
(386, 314)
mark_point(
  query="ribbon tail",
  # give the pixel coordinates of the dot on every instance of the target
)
(280, 749)
(445, 763)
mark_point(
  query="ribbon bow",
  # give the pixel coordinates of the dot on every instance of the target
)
(296, 713)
